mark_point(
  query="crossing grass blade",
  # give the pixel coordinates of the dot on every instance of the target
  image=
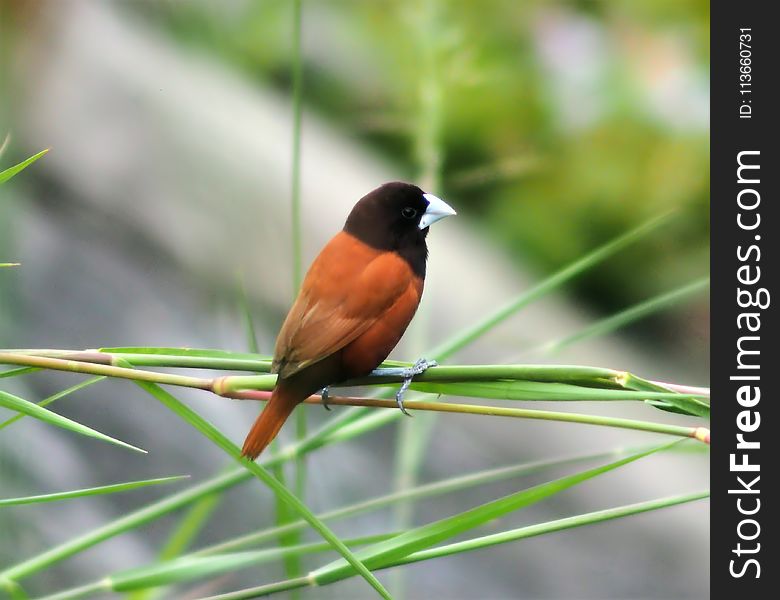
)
(29, 408)
(219, 439)
(487, 541)
(16, 372)
(129, 522)
(190, 526)
(53, 397)
(429, 490)
(292, 564)
(192, 568)
(93, 491)
(548, 527)
(433, 533)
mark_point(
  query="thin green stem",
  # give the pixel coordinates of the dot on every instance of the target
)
(93, 491)
(189, 526)
(293, 565)
(429, 154)
(76, 366)
(518, 413)
(264, 590)
(297, 110)
(610, 383)
(291, 562)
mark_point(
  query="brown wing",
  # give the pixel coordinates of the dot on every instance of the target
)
(347, 289)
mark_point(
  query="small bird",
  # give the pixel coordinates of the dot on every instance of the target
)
(355, 303)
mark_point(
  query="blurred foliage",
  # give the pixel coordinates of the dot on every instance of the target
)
(565, 123)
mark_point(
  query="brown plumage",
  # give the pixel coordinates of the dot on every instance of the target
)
(355, 303)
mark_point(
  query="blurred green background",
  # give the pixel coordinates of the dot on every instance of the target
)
(551, 126)
(559, 124)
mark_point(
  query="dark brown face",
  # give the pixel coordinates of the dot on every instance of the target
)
(395, 217)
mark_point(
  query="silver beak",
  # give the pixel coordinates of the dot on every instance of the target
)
(437, 209)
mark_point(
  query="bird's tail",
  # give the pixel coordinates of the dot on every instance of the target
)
(283, 401)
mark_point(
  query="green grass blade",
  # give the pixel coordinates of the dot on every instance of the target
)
(53, 397)
(246, 314)
(219, 439)
(197, 567)
(630, 315)
(429, 490)
(292, 564)
(590, 518)
(128, 522)
(190, 526)
(187, 569)
(470, 334)
(549, 527)
(94, 491)
(263, 590)
(697, 405)
(17, 372)
(14, 590)
(433, 533)
(534, 390)
(296, 225)
(183, 534)
(184, 352)
(8, 265)
(23, 406)
(490, 540)
(11, 171)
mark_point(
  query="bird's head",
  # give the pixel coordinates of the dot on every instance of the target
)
(395, 215)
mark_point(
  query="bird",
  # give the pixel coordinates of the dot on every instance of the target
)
(355, 302)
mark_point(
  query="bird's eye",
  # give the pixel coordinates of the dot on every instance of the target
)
(408, 213)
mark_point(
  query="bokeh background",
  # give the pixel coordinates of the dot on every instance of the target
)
(551, 126)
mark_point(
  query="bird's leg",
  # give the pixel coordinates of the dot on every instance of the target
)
(408, 374)
(324, 394)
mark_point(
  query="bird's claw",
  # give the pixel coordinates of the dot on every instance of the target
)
(324, 394)
(408, 374)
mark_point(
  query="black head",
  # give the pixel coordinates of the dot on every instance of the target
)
(395, 217)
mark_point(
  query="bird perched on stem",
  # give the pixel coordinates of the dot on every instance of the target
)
(355, 303)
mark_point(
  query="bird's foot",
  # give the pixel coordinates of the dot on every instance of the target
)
(408, 374)
(325, 394)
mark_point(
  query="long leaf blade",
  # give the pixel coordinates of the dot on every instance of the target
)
(489, 540)
(433, 533)
(429, 490)
(93, 491)
(11, 171)
(29, 408)
(53, 397)
(218, 438)
(550, 527)
(197, 567)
